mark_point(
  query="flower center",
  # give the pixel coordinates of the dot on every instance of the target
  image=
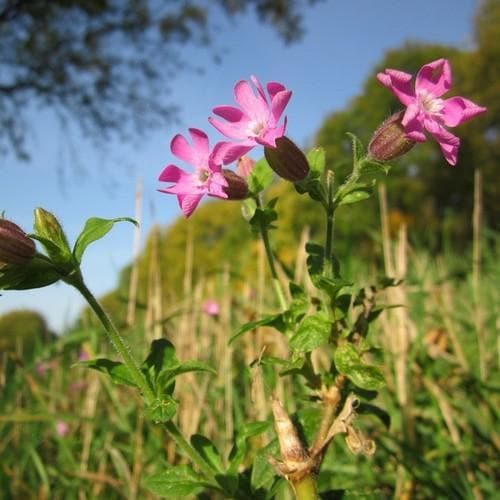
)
(255, 128)
(430, 104)
(203, 175)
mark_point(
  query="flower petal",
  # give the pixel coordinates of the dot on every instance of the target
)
(232, 130)
(229, 113)
(448, 143)
(434, 77)
(188, 203)
(171, 173)
(458, 110)
(252, 105)
(182, 149)
(200, 143)
(279, 102)
(273, 88)
(227, 152)
(412, 123)
(399, 83)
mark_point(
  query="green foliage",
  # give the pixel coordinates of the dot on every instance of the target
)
(23, 331)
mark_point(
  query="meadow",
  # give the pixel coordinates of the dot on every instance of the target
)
(69, 432)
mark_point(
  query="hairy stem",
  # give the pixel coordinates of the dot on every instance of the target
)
(270, 259)
(114, 336)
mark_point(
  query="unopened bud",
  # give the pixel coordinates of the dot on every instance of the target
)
(15, 247)
(244, 166)
(390, 141)
(47, 227)
(287, 160)
(237, 187)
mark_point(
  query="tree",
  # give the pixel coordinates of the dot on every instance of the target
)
(107, 63)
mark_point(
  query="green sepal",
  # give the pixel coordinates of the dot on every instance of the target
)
(36, 273)
(95, 229)
(49, 232)
(176, 481)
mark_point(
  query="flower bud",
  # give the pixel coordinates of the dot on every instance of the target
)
(244, 166)
(287, 160)
(15, 247)
(389, 141)
(237, 187)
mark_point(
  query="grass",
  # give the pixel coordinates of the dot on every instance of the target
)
(436, 431)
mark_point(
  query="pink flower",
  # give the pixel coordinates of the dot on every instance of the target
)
(211, 307)
(425, 110)
(257, 122)
(62, 428)
(42, 367)
(206, 179)
(244, 166)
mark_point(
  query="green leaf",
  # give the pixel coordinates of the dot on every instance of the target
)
(312, 332)
(315, 261)
(298, 306)
(264, 217)
(161, 409)
(263, 474)
(357, 192)
(275, 320)
(260, 176)
(248, 208)
(118, 372)
(95, 228)
(177, 481)
(316, 159)
(36, 273)
(358, 150)
(168, 375)
(349, 363)
(208, 451)
(240, 447)
(332, 286)
(374, 167)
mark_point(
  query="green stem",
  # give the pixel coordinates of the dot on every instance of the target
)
(118, 342)
(188, 450)
(330, 210)
(270, 259)
(114, 336)
(305, 488)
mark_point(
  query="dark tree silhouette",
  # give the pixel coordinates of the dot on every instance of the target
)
(108, 64)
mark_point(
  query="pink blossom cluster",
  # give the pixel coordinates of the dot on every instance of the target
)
(255, 122)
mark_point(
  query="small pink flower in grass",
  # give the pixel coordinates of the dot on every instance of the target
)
(425, 110)
(207, 177)
(62, 428)
(256, 121)
(211, 307)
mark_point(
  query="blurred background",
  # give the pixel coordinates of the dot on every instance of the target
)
(91, 93)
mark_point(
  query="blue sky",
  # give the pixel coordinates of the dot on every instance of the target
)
(343, 41)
